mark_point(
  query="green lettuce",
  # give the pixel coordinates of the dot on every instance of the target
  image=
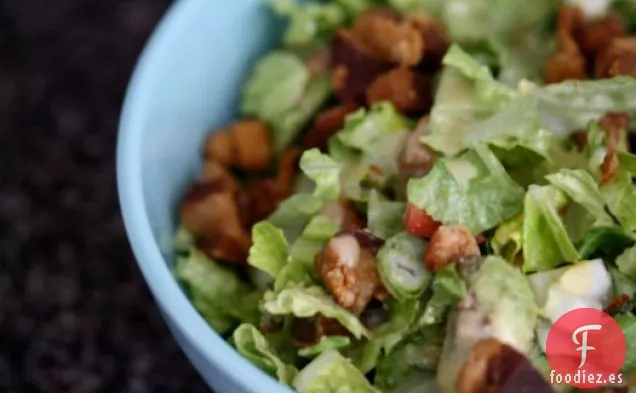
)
(467, 93)
(448, 289)
(385, 217)
(307, 302)
(250, 343)
(508, 239)
(324, 171)
(402, 315)
(210, 285)
(326, 343)
(412, 364)
(620, 197)
(572, 105)
(300, 269)
(401, 266)
(545, 239)
(622, 287)
(269, 248)
(626, 262)
(330, 373)
(183, 240)
(282, 92)
(605, 242)
(295, 213)
(581, 187)
(477, 182)
(309, 22)
(369, 147)
(628, 325)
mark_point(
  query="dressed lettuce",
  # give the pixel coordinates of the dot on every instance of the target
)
(282, 92)
(326, 343)
(251, 343)
(448, 289)
(210, 285)
(269, 248)
(626, 263)
(324, 171)
(385, 217)
(331, 372)
(545, 240)
(477, 182)
(307, 302)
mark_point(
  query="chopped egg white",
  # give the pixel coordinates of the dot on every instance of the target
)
(589, 278)
(561, 301)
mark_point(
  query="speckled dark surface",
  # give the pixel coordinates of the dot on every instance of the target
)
(75, 314)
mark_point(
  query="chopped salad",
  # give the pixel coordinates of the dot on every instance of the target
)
(417, 189)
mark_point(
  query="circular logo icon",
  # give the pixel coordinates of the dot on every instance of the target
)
(586, 348)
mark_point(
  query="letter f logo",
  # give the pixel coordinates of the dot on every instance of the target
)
(583, 344)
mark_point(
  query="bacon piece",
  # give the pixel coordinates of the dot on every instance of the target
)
(569, 62)
(307, 332)
(353, 67)
(409, 91)
(245, 145)
(619, 58)
(615, 127)
(436, 43)
(389, 36)
(326, 124)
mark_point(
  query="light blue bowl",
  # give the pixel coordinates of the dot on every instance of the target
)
(187, 82)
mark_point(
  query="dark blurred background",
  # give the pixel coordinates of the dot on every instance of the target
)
(75, 314)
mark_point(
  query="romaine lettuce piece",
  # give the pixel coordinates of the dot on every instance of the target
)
(254, 346)
(412, 364)
(620, 197)
(502, 306)
(183, 240)
(282, 92)
(572, 105)
(628, 324)
(545, 239)
(626, 262)
(269, 248)
(385, 218)
(285, 128)
(210, 285)
(307, 302)
(294, 214)
(402, 315)
(606, 243)
(448, 289)
(332, 373)
(477, 182)
(299, 271)
(310, 21)
(324, 171)
(401, 266)
(581, 187)
(326, 343)
(508, 239)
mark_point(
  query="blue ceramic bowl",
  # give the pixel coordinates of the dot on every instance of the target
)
(187, 82)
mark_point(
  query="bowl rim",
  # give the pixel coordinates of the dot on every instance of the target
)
(164, 287)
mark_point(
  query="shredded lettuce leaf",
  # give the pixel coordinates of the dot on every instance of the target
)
(210, 285)
(331, 372)
(475, 181)
(546, 244)
(326, 343)
(385, 217)
(324, 171)
(282, 92)
(309, 22)
(581, 187)
(606, 243)
(448, 289)
(269, 248)
(620, 197)
(628, 324)
(626, 262)
(508, 239)
(307, 302)
(294, 214)
(254, 346)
